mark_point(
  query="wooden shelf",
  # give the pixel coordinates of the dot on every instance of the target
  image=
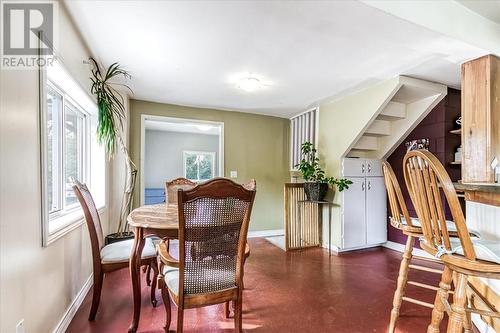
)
(457, 132)
(456, 163)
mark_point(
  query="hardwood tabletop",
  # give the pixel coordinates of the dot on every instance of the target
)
(160, 216)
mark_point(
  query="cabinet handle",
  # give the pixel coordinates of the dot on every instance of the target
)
(363, 168)
(369, 185)
(369, 168)
(362, 186)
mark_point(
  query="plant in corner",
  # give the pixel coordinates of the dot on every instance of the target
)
(111, 115)
(317, 184)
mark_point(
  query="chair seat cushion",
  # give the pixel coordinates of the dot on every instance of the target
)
(120, 251)
(485, 250)
(450, 225)
(171, 277)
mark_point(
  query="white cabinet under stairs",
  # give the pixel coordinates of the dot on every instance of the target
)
(364, 205)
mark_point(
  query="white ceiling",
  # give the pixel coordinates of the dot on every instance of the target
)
(486, 8)
(193, 52)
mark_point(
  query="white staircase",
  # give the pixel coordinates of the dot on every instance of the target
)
(397, 117)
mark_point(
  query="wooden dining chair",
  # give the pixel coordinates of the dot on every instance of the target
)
(216, 210)
(171, 188)
(251, 186)
(412, 228)
(111, 257)
(429, 184)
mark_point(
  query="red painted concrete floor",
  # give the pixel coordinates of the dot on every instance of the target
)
(303, 291)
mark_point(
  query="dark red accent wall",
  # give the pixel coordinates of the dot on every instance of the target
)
(436, 127)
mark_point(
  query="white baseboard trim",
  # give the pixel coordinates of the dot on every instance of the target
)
(63, 324)
(335, 249)
(266, 233)
(401, 248)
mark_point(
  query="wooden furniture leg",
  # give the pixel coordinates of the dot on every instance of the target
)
(166, 303)
(147, 270)
(135, 260)
(96, 295)
(456, 321)
(154, 281)
(238, 320)
(226, 309)
(439, 307)
(180, 319)
(402, 280)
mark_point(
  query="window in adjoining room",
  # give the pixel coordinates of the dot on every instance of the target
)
(199, 166)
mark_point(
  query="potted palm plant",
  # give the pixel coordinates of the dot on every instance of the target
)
(316, 183)
(111, 115)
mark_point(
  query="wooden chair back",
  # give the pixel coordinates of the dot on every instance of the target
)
(251, 185)
(92, 218)
(396, 199)
(213, 216)
(428, 184)
(174, 185)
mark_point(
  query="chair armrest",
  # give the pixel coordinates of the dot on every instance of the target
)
(165, 257)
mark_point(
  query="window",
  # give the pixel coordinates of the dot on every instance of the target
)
(199, 166)
(302, 129)
(69, 151)
(66, 143)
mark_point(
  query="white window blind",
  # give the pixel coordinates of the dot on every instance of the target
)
(302, 129)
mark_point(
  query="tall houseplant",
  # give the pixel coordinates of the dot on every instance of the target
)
(111, 116)
(317, 184)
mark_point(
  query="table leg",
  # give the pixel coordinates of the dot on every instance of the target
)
(330, 230)
(135, 274)
(300, 224)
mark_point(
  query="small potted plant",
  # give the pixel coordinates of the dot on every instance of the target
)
(316, 183)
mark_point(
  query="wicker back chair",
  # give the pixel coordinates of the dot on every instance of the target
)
(174, 185)
(428, 184)
(109, 258)
(213, 216)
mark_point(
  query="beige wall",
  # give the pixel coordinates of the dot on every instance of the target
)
(339, 130)
(254, 145)
(37, 284)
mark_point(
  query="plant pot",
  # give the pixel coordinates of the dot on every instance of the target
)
(316, 191)
(118, 237)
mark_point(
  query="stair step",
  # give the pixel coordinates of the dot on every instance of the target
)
(367, 143)
(379, 128)
(393, 111)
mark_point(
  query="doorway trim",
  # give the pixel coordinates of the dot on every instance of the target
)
(145, 117)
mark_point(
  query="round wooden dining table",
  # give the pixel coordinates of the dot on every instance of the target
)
(161, 220)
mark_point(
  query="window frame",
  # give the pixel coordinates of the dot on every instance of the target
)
(191, 152)
(84, 148)
(58, 223)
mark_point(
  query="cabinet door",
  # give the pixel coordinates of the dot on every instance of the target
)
(353, 167)
(376, 211)
(374, 168)
(353, 214)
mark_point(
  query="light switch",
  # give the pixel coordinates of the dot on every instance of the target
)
(233, 174)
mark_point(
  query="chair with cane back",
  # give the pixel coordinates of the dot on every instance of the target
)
(216, 210)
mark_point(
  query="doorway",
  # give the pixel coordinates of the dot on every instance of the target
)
(175, 147)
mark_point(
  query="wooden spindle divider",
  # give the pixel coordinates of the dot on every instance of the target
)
(300, 231)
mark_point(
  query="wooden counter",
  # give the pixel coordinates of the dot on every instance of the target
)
(480, 192)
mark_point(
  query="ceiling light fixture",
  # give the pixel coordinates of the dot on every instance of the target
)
(249, 84)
